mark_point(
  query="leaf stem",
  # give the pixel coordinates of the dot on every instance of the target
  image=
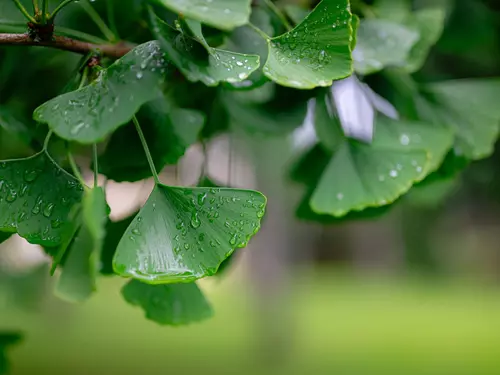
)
(146, 150)
(110, 8)
(98, 21)
(278, 13)
(259, 31)
(60, 7)
(24, 11)
(45, 10)
(36, 7)
(47, 140)
(96, 165)
(75, 169)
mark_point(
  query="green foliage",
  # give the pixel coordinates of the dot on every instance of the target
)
(168, 74)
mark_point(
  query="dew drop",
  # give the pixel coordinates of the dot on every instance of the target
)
(195, 220)
(47, 211)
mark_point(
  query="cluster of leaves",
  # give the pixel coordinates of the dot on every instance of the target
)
(199, 68)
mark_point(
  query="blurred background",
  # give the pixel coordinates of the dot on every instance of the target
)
(415, 291)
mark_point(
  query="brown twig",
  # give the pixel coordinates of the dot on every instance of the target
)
(67, 44)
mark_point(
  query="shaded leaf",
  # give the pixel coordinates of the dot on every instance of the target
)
(36, 198)
(114, 233)
(91, 113)
(183, 234)
(382, 43)
(78, 276)
(7, 339)
(199, 62)
(317, 51)
(470, 107)
(222, 14)
(168, 131)
(4, 237)
(296, 13)
(174, 304)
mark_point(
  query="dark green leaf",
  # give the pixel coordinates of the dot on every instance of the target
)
(175, 304)
(91, 113)
(114, 232)
(317, 51)
(7, 340)
(4, 237)
(168, 132)
(199, 62)
(78, 277)
(36, 198)
(183, 234)
(222, 14)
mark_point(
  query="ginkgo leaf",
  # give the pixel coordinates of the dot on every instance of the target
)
(183, 234)
(36, 197)
(4, 237)
(430, 24)
(174, 304)
(469, 107)
(199, 62)
(382, 43)
(222, 14)
(91, 113)
(78, 276)
(315, 52)
(114, 232)
(169, 131)
(7, 339)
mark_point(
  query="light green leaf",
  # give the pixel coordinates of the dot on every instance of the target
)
(327, 125)
(199, 62)
(296, 12)
(470, 107)
(183, 234)
(7, 340)
(382, 43)
(36, 197)
(91, 113)
(169, 131)
(430, 24)
(78, 277)
(317, 51)
(394, 10)
(175, 304)
(222, 14)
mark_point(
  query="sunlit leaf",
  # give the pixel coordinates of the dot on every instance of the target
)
(222, 14)
(78, 276)
(199, 62)
(169, 131)
(382, 43)
(36, 197)
(317, 51)
(183, 234)
(91, 113)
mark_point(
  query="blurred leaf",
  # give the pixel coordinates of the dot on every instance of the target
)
(394, 10)
(114, 233)
(12, 125)
(199, 62)
(296, 13)
(183, 234)
(432, 193)
(222, 14)
(29, 207)
(4, 237)
(382, 43)
(169, 131)
(174, 304)
(430, 24)
(7, 340)
(316, 52)
(91, 113)
(327, 124)
(310, 166)
(470, 107)
(78, 277)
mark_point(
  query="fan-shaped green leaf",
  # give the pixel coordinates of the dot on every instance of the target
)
(91, 113)
(183, 234)
(317, 51)
(174, 304)
(36, 197)
(7, 340)
(168, 132)
(222, 14)
(78, 277)
(470, 107)
(199, 62)
(382, 43)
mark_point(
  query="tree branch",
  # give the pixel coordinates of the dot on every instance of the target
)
(67, 44)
